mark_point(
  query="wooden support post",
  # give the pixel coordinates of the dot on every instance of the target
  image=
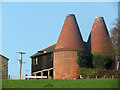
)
(88, 77)
(53, 72)
(104, 76)
(41, 73)
(48, 73)
(112, 76)
(96, 77)
(25, 76)
(81, 77)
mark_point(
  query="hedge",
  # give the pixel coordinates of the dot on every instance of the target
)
(84, 59)
(92, 73)
(99, 61)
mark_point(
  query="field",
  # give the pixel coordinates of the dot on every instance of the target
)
(61, 83)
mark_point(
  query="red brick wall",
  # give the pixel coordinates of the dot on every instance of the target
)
(65, 64)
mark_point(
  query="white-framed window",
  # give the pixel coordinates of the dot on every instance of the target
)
(36, 60)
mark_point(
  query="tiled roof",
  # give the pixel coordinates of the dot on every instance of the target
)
(70, 37)
(48, 49)
(99, 37)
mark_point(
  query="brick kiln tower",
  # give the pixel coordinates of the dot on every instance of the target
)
(65, 53)
(99, 40)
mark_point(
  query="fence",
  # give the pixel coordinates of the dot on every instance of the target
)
(110, 77)
(15, 77)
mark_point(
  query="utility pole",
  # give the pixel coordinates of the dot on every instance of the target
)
(21, 63)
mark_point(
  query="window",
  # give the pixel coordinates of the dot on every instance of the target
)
(36, 60)
(33, 59)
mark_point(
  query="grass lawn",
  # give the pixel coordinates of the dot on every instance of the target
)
(61, 83)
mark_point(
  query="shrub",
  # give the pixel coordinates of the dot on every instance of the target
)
(99, 61)
(84, 59)
(85, 72)
(109, 73)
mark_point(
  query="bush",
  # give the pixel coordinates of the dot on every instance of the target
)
(84, 59)
(110, 73)
(85, 72)
(99, 61)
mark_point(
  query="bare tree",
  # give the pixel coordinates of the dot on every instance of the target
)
(115, 38)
